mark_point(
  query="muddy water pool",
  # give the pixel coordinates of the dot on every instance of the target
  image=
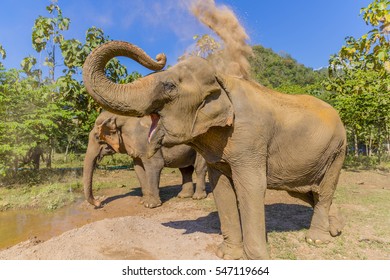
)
(24, 224)
(20, 225)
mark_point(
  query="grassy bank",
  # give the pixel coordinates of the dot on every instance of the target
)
(52, 188)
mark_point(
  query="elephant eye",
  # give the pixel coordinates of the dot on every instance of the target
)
(168, 86)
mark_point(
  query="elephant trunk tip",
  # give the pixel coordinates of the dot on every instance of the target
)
(95, 203)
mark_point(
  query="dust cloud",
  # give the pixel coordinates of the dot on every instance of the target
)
(233, 58)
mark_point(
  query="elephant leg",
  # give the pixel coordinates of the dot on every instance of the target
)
(200, 170)
(250, 185)
(141, 176)
(326, 220)
(187, 187)
(226, 202)
(151, 182)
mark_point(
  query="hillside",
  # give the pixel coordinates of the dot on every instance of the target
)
(278, 70)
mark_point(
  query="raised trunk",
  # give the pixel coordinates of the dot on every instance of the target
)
(134, 99)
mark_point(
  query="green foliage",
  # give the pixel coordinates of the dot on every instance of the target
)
(28, 117)
(361, 82)
(372, 50)
(47, 35)
(280, 71)
(55, 113)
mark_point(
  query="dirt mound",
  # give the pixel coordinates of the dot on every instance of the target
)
(119, 238)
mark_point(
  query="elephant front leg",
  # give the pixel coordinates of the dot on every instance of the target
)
(250, 185)
(149, 179)
(226, 202)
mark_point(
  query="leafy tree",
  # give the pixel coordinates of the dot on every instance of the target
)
(39, 111)
(360, 79)
(28, 118)
(47, 35)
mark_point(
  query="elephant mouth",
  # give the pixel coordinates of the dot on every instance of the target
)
(153, 128)
(156, 135)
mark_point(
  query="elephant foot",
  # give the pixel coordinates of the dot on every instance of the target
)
(317, 237)
(230, 252)
(336, 222)
(324, 225)
(150, 201)
(186, 192)
(199, 195)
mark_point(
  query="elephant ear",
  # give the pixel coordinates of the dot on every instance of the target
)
(215, 110)
(109, 133)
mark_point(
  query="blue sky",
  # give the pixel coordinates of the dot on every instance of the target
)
(309, 30)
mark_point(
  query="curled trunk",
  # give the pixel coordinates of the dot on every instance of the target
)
(133, 99)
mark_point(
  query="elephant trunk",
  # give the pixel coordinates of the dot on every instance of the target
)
(90, 160)
(132, 99)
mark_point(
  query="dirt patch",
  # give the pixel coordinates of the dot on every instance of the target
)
(189, 229)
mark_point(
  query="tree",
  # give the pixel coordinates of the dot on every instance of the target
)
(360, 78)
(47, 36)
(28, 118)
(49, 111)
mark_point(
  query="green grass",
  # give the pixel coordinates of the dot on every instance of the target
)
(48, 197)
(76, 160)
(367, 162)
(281, 247)
(54, 188)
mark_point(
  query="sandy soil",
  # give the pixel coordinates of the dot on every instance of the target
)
(179, 229)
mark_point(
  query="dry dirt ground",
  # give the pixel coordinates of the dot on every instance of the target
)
(189, 229)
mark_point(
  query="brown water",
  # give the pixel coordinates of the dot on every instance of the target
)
(24, 224)
(20, 225)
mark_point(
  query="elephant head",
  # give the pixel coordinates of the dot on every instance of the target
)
(109, 133)
(183, 101)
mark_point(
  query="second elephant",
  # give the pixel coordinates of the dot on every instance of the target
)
(128, 135)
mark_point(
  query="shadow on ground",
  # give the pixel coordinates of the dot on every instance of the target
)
(166, 194)
(279, 217)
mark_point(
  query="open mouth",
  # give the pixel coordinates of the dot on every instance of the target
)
(155, 119)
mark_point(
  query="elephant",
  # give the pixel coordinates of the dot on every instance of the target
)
(128, 135)
(251, 137)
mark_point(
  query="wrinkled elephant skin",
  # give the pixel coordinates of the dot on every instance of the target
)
(252, 138)
(119, 134)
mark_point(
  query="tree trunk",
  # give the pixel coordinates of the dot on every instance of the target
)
(356, 145)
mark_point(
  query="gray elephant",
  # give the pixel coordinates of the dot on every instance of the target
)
(127, 135)
(252, 138)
